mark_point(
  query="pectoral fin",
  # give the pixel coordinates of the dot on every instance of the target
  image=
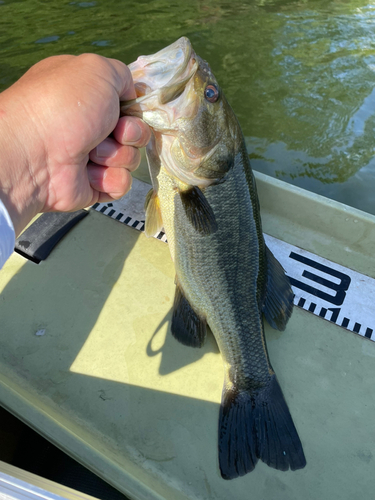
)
(154, 221)
(187, 327)
(198, 210)
(278, 304)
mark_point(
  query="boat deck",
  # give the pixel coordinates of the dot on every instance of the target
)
(88, 361)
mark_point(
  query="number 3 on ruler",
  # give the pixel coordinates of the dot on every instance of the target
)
(340, 288)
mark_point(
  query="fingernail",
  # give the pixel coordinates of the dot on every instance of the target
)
(106, 149)
(133, 132)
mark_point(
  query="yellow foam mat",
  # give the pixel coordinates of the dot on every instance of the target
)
(87, 359)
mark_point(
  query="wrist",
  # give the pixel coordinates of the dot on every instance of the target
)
(19, 189)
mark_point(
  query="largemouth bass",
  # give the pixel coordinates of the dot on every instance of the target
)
(204, 195)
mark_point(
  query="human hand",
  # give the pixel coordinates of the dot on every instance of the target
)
(54, 128)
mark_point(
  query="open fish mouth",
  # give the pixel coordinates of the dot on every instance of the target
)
(162, 76)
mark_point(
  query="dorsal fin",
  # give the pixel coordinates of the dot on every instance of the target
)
(278, 303)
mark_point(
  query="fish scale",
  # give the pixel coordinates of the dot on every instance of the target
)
(206, 271)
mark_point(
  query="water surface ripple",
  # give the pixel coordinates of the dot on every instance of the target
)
(300, 75)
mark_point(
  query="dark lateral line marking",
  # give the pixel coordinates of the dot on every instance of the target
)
(127, 220)
(111, 212)
(119, 216)
(103, 209)
(368, 333)
(312, 307)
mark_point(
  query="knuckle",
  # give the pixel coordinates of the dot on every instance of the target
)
(90, 59)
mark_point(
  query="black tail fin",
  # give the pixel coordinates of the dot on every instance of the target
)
(255, 425)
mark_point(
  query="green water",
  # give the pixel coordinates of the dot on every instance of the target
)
(300, 75)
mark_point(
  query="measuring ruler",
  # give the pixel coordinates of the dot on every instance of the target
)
(321, 287)
(328, 290)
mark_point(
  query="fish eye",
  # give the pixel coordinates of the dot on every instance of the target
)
(211, 93)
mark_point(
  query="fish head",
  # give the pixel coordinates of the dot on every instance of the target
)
(195, 131)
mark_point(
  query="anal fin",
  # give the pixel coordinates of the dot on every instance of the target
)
(154, 221)
(278, 304)
(187, 326)
(198, 210)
